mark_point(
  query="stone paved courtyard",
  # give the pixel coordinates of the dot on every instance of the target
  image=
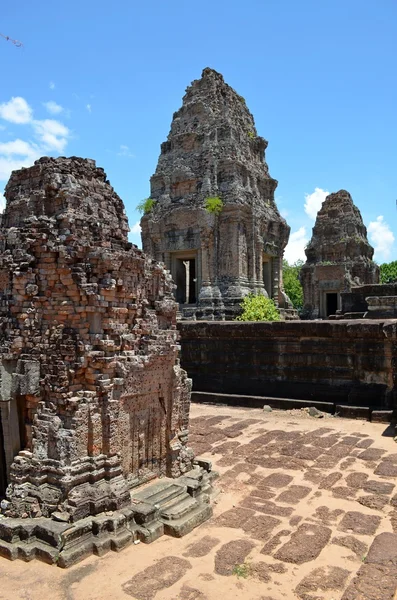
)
(307, 509)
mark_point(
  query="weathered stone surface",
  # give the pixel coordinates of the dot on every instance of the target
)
(93, 399)
(343, 362)
(213, 150)
(339, 257)
(305, 544)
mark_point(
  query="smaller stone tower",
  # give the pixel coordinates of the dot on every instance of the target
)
(339, 257)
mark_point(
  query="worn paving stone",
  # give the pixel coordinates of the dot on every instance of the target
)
(326, 515)
(189, 593)
(305, 544)
(356, 480)
(231, 554)
(347, 463)
(355, 545)
(326, 441)
(263, 493)
(276, 480)
(340, 450)
(163, 574)
(202, 547)
(294, 494)
(322, 579)
(371, 454)
(260, 526)
(379, 487)
(295, 520)
(374, 501)
(274, 542)
(386, 469)
(360, 523)
(313, 475)
(373, 582)
(327, 462)
(350, 440)
(383, 550)
(330, 480)
(235, 517)
(343, 492)
(309, 453)
(365, 443)
(266, 506)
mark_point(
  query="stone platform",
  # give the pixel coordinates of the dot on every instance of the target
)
(169, 506)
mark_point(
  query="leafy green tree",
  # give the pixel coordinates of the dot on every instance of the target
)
(388, 272)
(257, 307)
(292, 285)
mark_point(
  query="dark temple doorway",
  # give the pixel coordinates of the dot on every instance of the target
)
(331, 303)
(185, 279)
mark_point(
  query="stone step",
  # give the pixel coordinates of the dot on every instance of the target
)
(178, 508)
(180, 527)
(163, 498)
(161, 494)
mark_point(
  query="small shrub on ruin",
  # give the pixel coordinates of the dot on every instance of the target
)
(251, 135)
(214, 205)
(146, 206)
(243, 570)
(257, 307)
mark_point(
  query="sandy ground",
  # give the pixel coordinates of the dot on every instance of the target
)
(300, 502)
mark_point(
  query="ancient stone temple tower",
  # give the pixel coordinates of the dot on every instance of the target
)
(339, 257)
(213, 152)
(93, 400)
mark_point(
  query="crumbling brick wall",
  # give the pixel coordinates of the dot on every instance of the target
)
(88, 346)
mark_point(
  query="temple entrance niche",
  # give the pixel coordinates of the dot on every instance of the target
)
(267, 274)
(184, 273)
(330, 303)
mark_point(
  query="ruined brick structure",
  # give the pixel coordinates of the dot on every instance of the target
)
(213, 151)
(93, 400)
(339, 257)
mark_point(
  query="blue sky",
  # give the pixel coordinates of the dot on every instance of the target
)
(102, 81)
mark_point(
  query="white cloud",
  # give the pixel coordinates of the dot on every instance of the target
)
(17, 110)
(381, 237)
(2, 203)
(18, 148)
(314, 201)
(295, 249)
(136, 228)
(15, 155)
(51, 85)
(88, 107)
(125, 151)
(53, 108)
(52, 134)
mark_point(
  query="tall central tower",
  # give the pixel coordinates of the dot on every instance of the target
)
(214, 157)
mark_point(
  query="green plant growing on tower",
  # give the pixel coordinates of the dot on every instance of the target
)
(146, 206)
(251, 135)
(257, 307)
(214, 205)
